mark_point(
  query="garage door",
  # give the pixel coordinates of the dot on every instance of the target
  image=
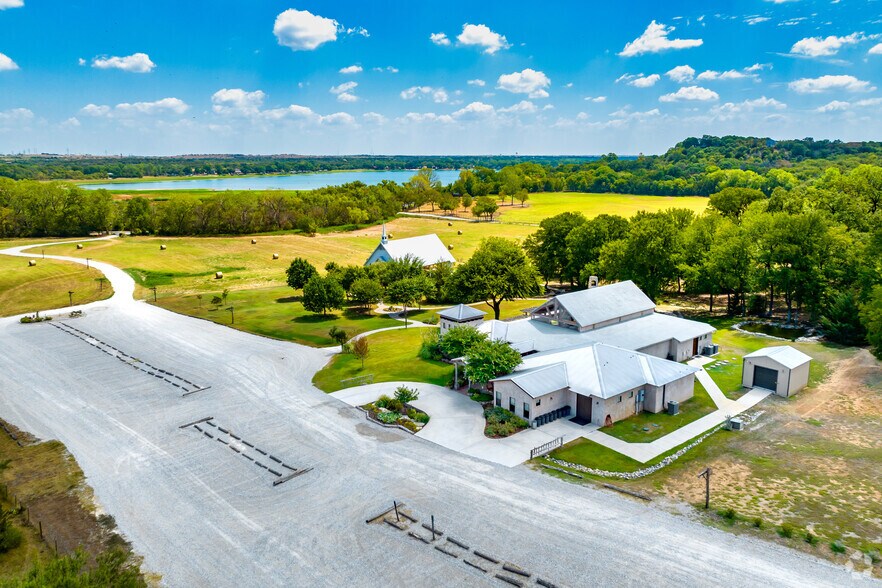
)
(765, 378)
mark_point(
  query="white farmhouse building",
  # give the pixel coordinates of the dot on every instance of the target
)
(599, 384)
(783, 370)
(459, 316)
(427, 248)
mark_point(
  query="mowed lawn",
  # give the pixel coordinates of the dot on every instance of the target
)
(25, 289)
(545, 204)
(275, 312)
(393, 357)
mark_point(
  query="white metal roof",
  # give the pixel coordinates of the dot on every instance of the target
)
(784, 354)
(533, 335)
(461, 312)
(428, 248)
(597, 370)
(596, 305)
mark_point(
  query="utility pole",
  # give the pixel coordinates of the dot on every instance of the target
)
(87, 262)
(70, 297)
(706, 474)
(154, 293)
(232, 315)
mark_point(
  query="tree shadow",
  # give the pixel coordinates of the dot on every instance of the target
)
(288, 299)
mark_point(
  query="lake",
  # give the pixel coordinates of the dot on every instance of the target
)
(306, 181)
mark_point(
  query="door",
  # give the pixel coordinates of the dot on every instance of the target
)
(694, 347)
(765, 378)
(583, 407)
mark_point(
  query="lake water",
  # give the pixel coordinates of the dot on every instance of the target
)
(310, 181)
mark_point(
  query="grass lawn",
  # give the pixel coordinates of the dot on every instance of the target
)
(545, 204)
(658, 425)
(594, 455)
(276, 312)
(44, 286)
(393, 357)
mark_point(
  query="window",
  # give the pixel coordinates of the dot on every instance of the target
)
(499, 399)
(538, 402)
(631, 394)
(511, 404)
(620, 398)
(527, 410)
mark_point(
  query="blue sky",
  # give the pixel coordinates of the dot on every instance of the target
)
(320, 77)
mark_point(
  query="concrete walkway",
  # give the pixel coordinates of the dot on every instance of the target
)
(457, 422)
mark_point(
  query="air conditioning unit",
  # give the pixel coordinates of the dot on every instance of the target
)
(710, 350)
(673, 407)
(736, 424)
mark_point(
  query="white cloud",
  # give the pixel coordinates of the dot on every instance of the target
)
(835, 105)
(71, 123)
(95, 110)
(4, 4)
(337, 118)
(528, 81)
(6, 63)
(303, 31)
(237, 102)
(642, 81)
(439, 39)
(696, 93)
(344, 87)
(15, 116)
(596, 99)
(438, 95)
(479, 83)
(134, 63)
(347, 97)
(681, 74)
(81, 61)
(748, 106)
(824, 46)
(875, 50)
(655, 39)
(758, 67)
(374, 118)
(388, 69)
(473, 111)
(292, 112)
(418, 117)
(166, 105)
(351, 69)
(825, 83)
(524, 106)
(481, 36)
(731, 74)
(754, 20)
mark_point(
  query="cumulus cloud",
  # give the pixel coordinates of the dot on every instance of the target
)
(835, 105)
(4, 4)
(524, 106)
(642, 81)
(237, 102)
(95, 110)
(473, 111)
(481, 36)
(875, 50)
(681, 74)
(655, 39)
(374, 118)
(731, 74)
(165, 105)
(528, 81)
(15, 116)
(439, 39)
(690, 93)
(351, 69)
(6, 63)
(748, 106)
(302, 30)
(476, 82)
(337, 118)
(596, 99)
(826, 83)
(134, 63)
(438, 95)
(344, 87)
(824, 46)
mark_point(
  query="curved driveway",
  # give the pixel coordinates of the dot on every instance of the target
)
(202, 515)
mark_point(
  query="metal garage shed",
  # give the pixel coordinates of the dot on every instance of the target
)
(784, 370)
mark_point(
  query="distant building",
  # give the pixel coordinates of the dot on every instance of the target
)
(460, 315)
(597, 384)
(427, 248)
(783, 370)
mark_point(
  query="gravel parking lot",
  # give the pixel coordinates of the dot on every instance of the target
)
(201, 515)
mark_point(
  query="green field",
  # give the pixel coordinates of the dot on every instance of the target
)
(393, 357)
(46, 285)
(545, 204)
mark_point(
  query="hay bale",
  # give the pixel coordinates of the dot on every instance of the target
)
(162, 247)
(79, 245)
(218, 275)
(254, 241)
(32, 263)
(449, 224)
(275, 255)
(459, 232)
(449, 247)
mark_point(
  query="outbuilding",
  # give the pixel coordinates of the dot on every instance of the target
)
(460, 315)
(783, 370)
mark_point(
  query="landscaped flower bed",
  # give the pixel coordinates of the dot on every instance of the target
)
(502, 423)
(397, 411)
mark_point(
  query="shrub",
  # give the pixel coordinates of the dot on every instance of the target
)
(395, 405)
(837, 546)
(873, 554)
(811, 538)
(409, 425)
(479, 396)
(10, 537)
(729, 514)
(457, 340)
(502, 423)
(405, 395)
(786, 530)
(388, 417)
(383, 401)
(758, 522)
(421, 417)
(338, 335)
(430, 348)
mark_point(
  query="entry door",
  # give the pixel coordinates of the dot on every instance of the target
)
(765, 378)
(694, 347)
(583, 407)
